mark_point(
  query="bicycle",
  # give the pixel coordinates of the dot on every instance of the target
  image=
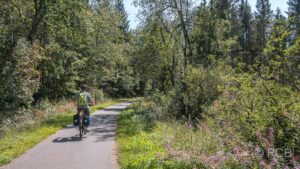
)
(82, 124)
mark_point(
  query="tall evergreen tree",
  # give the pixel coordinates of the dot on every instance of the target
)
(294, 17)
(263, 17)
(222, 8)
(234, 18)
(124, 23)
(278, 65)
(246, 16)
(246, 37)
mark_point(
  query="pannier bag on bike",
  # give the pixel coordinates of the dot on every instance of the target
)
(86, 121)
(76, 120)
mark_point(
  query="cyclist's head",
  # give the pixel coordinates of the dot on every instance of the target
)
(83, 87)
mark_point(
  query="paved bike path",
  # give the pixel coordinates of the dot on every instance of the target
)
(64, 150)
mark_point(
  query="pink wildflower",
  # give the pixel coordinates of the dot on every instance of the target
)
(214, 158)
(168, 146)
(274, 161)
(235, 150)
(262, 163)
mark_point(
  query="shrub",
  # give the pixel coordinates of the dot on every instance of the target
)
(20, 78)
(200, 88)
(244, 114)
(262, 112)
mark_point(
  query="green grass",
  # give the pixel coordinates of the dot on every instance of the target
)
(136, 148)
(146, 141)
(142, 143)
(14, 143)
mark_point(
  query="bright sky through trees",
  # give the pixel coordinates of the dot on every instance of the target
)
(132, 10)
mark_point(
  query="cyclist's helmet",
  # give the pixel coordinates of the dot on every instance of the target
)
(83, 87)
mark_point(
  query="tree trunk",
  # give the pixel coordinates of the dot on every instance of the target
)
(40, 11)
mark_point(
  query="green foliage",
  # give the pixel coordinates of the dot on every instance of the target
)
(254, 105)
(259, 112)
(275, 51)
(201, 87)
(279, 61)
(293, 12)
(49, 49)
(210, 37)
(263, 15)
(293, 63)
(210, 63)
(142, 143)
(19, 77)
(249, 112)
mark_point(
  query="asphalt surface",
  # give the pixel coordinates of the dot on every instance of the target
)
(64, 150)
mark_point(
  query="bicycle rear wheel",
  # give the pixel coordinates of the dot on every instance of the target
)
(80, 131)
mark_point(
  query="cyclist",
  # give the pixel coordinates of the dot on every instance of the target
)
(84, 100)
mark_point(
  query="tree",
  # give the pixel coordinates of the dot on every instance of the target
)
(222, 8)
(275, 60)
(263, 17)
(204, 35)
(212, 37)
(20, 77)
(293, 53)
(246, 17)
(177, 12)
(294, 17)
(124, 23)
(40, 9)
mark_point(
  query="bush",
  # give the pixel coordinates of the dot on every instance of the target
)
(244, 113)
(263, 113)
(200, 88)
(20, 78)
(45, 109)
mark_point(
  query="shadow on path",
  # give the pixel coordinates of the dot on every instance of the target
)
(114, 109)
(66, 139)
(103, 126)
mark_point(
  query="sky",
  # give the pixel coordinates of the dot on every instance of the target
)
(133, 11)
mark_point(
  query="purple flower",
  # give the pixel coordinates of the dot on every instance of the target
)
(274, 161)
(168, 146)
(223, 158)
(235, 150)
(262, 163)
(214, 158)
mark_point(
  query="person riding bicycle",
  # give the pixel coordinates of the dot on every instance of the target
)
(84, 100)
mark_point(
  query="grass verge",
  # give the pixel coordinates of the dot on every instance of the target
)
(142, 143)
(148, 140)
(16, 142)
